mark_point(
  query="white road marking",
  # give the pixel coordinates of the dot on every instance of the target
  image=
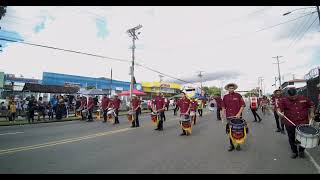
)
(11, 133)
(316, 165)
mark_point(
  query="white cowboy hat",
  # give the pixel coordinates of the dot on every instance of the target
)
(231, 84)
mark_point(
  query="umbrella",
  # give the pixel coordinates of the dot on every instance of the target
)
(135, 92)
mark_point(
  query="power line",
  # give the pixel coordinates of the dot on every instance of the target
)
(61, 49)
(151, 69)
(94, 55)
(295, 33)
(305, 31)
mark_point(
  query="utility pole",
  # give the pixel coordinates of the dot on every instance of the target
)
(160, 76)
(200, 75)
(279, 74)
(132, 33)
(260, 79)
(111, 82)
(318, 14)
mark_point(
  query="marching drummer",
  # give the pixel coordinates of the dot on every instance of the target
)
(276, 98)
(295, 108)
(159, 105)
(83, 106)
(232, 107)
(105, 104)
(184, 105)
(116, 106)
(193, 108)
(135, 104)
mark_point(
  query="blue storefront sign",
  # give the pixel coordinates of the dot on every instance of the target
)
(50, 78)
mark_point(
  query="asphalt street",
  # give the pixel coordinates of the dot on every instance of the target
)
(96, 147)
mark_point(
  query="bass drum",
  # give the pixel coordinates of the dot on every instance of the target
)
(212, 105)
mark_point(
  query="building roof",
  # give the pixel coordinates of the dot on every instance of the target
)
(50, 88)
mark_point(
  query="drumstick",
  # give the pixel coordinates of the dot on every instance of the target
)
(286, 118)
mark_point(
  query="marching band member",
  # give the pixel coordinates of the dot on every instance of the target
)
(116, 106)
(105, 104)
(264, 104)
(135, 104)
(295, 108)
(90, 109)
(254, 104)
(219, 106)
(83, 106)
(232, 106)
(276, 98)
(193, 108)
(184, 105)
(159, 105)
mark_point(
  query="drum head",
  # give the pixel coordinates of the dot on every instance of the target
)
(307, 129)
(236, 121)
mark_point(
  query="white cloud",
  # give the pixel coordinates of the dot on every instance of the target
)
(175, 40)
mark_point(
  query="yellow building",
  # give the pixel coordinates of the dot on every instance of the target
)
(168, 89)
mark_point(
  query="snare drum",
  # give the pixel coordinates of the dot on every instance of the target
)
(130, 116)
(154, 118)
(185, 123)
(78, 113)
(237, 130)
(307, 136)
(98, 114)
(84, 113)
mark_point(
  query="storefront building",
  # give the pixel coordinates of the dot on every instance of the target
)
(168, 89)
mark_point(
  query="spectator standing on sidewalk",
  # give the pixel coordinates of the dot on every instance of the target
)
(12, 111)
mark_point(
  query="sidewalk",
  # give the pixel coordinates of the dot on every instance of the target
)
(23, 121)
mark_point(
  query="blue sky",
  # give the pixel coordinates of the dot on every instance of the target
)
(175, 40)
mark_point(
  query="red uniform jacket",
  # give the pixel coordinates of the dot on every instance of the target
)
(184, 104)
(135, 103)
(296, 110)
(159, 102)
(105, 102)
(90, 103)
(232, 103)
(116, 103)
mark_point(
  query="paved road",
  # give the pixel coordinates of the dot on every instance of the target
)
(81, 147)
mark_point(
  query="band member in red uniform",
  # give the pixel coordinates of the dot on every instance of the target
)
(184, 105)
(232, 106)
(264, 104)
(295, 108)
(176, 107)
(105, 104)
(193, 108)
(219, 106)
(276, 98)
(159, 106)
(83, 106)
(135, 104)
(116, 102)
(90, 109)
(254, 104)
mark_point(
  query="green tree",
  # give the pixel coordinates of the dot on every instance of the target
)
(91, 87)
(3, 10)
(212, 91)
